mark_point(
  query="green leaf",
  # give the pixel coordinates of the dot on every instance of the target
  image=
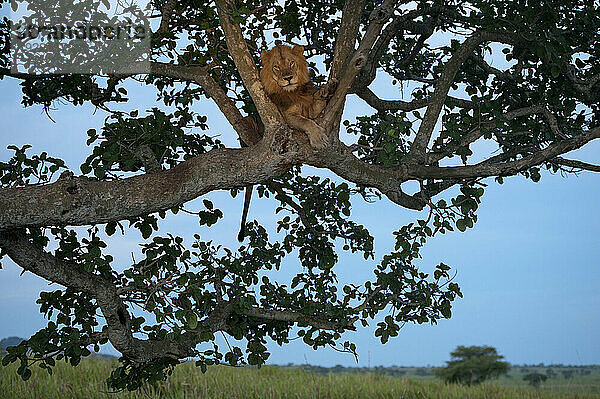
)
(146, 230)
(111, 228)
(6, 360)
(192, 320)
(85, 168)
(26, 374)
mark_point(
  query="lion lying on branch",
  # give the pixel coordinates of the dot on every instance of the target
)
(284, 75)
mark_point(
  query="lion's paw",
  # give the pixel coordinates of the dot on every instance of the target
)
(317, 137)
(327, 91)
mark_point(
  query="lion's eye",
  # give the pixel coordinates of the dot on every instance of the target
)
(275, 68)
(292, 63)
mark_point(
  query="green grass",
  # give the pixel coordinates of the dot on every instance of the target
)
(87, 381)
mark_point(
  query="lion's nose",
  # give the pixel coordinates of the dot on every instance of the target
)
(288, 78)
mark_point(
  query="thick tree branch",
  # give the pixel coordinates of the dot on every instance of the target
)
(346, 37)
(167, 13)
(389, 180)
(80, 201)
(344, 48)
(342, 162)
(42, 264)
(486, 169)
(577, 165)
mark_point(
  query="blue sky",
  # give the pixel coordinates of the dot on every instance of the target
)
(529, 269)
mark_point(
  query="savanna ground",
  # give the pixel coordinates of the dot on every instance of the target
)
(87, 381)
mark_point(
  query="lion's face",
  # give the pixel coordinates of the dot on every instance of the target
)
(284, 69)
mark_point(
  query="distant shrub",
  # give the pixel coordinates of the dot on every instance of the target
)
(10, 341)
(568, 374)
(535, 379)
(422, 372)
(472, 365)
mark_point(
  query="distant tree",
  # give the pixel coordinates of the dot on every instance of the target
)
(535, 379)
(10, 341)
(550, 373)
(568, 374)
(472, 365)
(6, 342)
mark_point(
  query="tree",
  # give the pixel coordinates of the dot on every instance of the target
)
(535, 379)
(10, 341)
(472, 365)
(146, 165)
(568, 374)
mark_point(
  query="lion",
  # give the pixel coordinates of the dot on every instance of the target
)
(284, 75)
(285, 78)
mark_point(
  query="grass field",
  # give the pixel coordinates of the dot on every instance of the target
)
(87, 381)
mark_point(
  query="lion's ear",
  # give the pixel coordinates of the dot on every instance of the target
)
(264, 56)
(298, 50)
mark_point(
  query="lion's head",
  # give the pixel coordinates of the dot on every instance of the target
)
(283, 69)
